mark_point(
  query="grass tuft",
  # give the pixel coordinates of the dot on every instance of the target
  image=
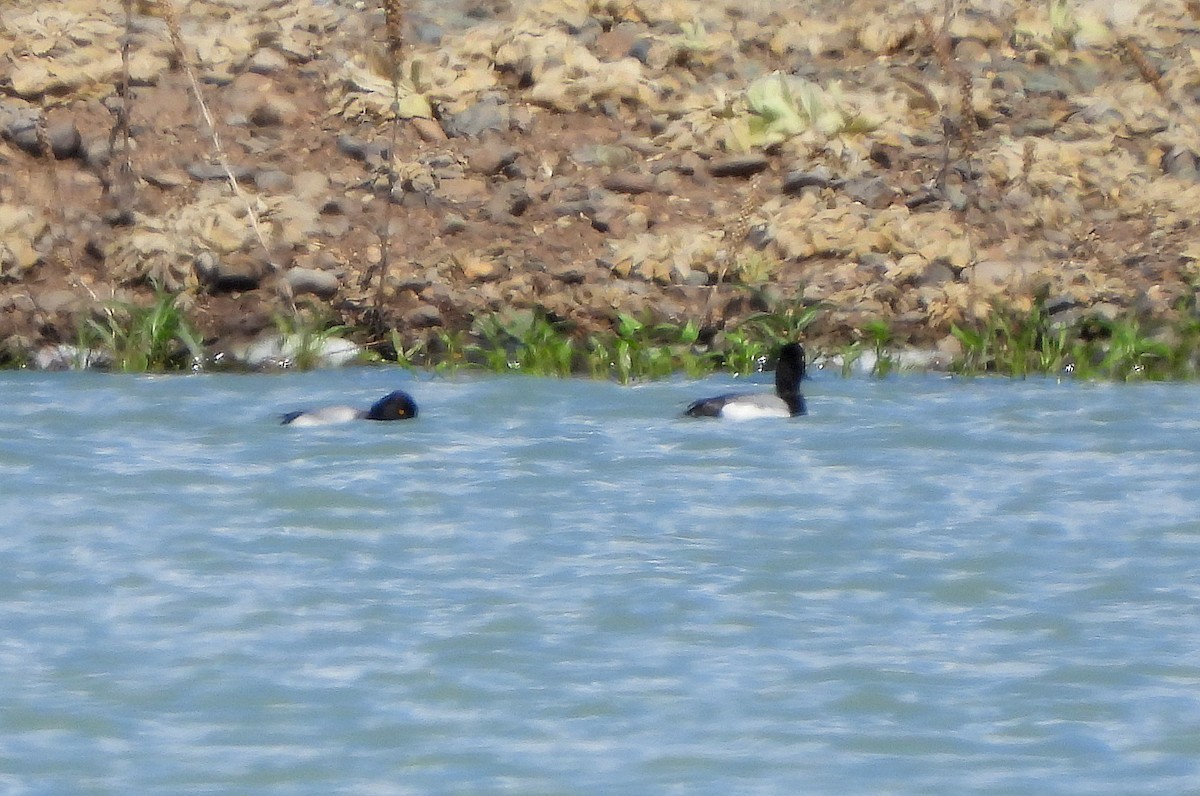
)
(139, 339)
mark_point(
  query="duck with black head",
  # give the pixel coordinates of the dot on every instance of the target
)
(786, 402)
(397, 405)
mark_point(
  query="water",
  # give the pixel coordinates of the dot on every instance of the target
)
(560, 587)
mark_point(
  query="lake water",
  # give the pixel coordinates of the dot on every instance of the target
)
(927, 586)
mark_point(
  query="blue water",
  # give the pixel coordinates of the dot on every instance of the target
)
(927, 586)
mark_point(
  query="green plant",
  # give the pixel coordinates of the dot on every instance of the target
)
(406, 356)
(1015, 343)
(448, 351)
(744, 352)
(787, 324)
(850, 356)
(782, 106)
(523, 340)
(880, 334)
(144, 339)
(1132, 355)
(755, 268)
(1064, 25)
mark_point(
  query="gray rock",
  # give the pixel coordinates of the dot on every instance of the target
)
(96, 152)
(23, 133)
(923, 197)
(873, 192)
(489, 113)
(1033, 127)
(569, 273)
(322, 284)
(999, 272)
(282, 351)
(1181, 163)
(454, 224)
(427, 32)
(65, 140)
(797, 181)
(422, 317)
(206, 172)
(739, 166)
(167, 179)
(58, 300)
(352, 146)
(267, 61)
(19, 125)
(272, 181)
(628, 182)
(69, 357)
(936, 273)
(310, 184)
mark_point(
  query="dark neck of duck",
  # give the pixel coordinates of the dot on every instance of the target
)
(789, 371)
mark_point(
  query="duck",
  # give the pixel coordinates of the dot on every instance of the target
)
(786, 402)
(397, 405)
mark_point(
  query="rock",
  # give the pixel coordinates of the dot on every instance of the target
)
(281, 351)
(628, 182)
(322, 284)
(1033, 127)
(569, 273)
(96, 152)
(872, 192)
(352, 146)
(310, 184)
(998, 273)
(429, 130)
(739, 166)
(489, 113)
(422, 317)
(69, 357)
(19, 125)
(206, 172)
(463, 191)
(1182, 164)
(490, 159)
(166, 178)
(923, 197)
(272, 181)
(229, 274)
(55, 301)
(478, 268)
(427, 32)
(273, 111)
(936, 273)
(797, 181)
(65, 140)
(267, 61)
(972, 51)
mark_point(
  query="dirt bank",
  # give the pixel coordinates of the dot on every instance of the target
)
(666, 159)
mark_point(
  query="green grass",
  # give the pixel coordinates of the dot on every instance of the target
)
(1020, 344)
(138, 339)
(1011, 342)
(635, 349)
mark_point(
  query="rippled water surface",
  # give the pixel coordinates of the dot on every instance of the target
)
(928, 585)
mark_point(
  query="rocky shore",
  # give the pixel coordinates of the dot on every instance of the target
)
(906, 163)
